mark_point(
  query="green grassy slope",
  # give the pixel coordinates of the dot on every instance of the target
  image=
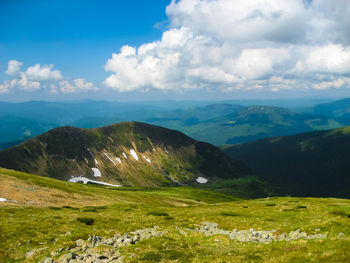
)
(43, 227)
(164, 157)
(309, 164)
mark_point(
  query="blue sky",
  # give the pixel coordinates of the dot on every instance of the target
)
(75, 35)
(186, 49)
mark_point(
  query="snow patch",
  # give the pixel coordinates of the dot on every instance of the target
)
(133, 153)
(97, 172)
(118, 159)
(148, 160)
(109, 158)
(85, 180)
(7, 200)
(93, 156)
(86, 160)
(125, 155)
(202, 180)
(165, 149)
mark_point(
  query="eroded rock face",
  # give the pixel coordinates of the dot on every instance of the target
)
(261, 236)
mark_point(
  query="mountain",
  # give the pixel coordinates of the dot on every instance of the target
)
(308, 164)
(6, 145)
(64, 113)
(128, 154)
(237, 124)
(14, 128)
(24, 120)
(338, 109)
(246, 124)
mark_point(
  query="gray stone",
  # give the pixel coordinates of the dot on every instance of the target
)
(47, 260)
(127, 241)
(110, 241)
(67, 257)
(80, 243)
(30, 253)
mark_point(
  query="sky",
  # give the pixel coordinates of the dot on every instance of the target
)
(181, 50)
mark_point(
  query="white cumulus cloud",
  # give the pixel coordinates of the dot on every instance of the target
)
(5, 87)
(328, 59)
(13, 67)
(26, 84)
(41, 77)
(240, 45)
(337, 83)
(77, 86)
(42, 73)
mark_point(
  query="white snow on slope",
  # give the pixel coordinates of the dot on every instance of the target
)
(202, 180)
(133, 153)
(125, 155)
(147, 159)
(165, 149)
(109, 158)
(97, 172)
(87, 180)
(93, 156)
(118, 159)
(3, 200)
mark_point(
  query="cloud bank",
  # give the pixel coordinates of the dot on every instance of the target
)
(42, 77)
(231, 45)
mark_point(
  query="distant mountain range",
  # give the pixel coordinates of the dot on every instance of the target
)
(337, 109)
(127, 154)
(308, 164)
(244, 124)
(235, 123)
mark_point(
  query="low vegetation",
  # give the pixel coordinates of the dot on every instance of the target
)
(31, 231)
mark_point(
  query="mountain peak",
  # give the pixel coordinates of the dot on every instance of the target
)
(128, 153)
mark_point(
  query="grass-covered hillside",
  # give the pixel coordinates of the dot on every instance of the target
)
(127, 154)
(245, 124)
(309, 164)
(44, 218)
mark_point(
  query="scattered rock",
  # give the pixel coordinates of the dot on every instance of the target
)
(86, 251)
(30, 253)
(261, 236)
(47, 260)
(68, 257)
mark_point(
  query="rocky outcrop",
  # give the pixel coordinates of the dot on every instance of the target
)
(261, 236)
(106, 249)
(100, 249)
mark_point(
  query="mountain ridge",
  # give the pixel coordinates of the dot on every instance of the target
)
(307, 164)
(128, 153)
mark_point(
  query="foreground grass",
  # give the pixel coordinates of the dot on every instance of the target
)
(26, 227)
